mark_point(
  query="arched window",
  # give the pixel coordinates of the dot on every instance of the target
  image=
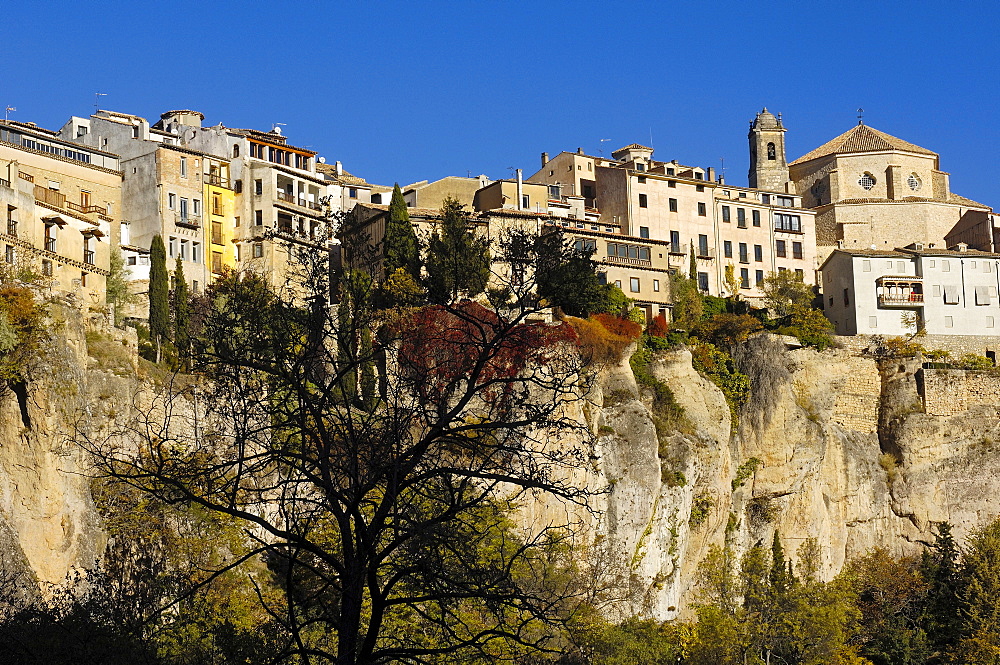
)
(770, 151)
(236, 150)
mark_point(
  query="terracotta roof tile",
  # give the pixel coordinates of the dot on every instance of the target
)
(862, 138)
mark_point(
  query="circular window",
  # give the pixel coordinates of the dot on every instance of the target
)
(913, 181)
(867, 181)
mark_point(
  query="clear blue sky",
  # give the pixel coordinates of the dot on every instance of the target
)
(407, 91)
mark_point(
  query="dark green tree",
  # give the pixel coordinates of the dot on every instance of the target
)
(400, 248)
(693, 267)
(118, 291)
(458, 260)
(566, 276)
(159, 295)
(940, 568)
(182, 311)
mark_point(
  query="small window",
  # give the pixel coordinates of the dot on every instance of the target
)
(759, 277)
(258, 250)
(797, 250)
(727, 248)
(703, 281)
(699, 188)
(196, 206)
(259, 217)
(352, 192)
(172, 247)
(771, 153)
(702, 212)
(47, 266)
(643, 231)
(744, 257)
(946, 266)
(184, 167)
(800, 274)
(641, 180)
(756, 217)
(873, 322)
(672, 205)
(643, 201)
(238, 186)
(989, 321)
(866, 266)
(671, 183)
(171, 201)
(184, 250)
(779, 247)
(744, 278)
(765, 198)
(758, 253)
(640, 166)
(741, 218)
(258, 187)
(633, 284)
(847, 298)
(656, 285)
(725, 213)
(236, 150)
(866, 181)
(949, 322)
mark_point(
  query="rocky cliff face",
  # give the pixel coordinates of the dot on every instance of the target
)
(846, 455)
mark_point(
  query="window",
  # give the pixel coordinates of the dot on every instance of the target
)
(786, 201)
(50, 237)
(171, 201)
(639, 166)
(946, 266)
(743, 253)
(258, 250)
(643, 201)
(670, 171)
(727, 248)
(633, 284)
(184, 167)
(698, 176)
(618, 283)
(989, 321)
(656, 285)
(238, 186)
(236, 150)
(744, 278)
(643, 231)
(184, 250)
(758, 276)
(672, 205)
(641, 179)
(703, 281)
(259, 217)
(9, 255)
(873, 322)
(196, 252)
(801, 275)
(756, 217)
(258, 187)
(847, 298)
(216, 263)
(84, 198)
(352, 192)
(866, 181)
(196, 207)
(184, 208)
(758, 253)
(703, 245)
(771, 153)
(699, 188)
(625, 251)
(779, 246)
(83, 275)
(951, 294)
(765, 198)
(47, 267)
(913, 180)
(866, 265)
(783, 222)
(796, 250)
(172, 247)
(701, 209)
(741, 217)
(725, 213)
(671, 183)
(194, 286)
(985, 295)
(11, 222)
(949, 322)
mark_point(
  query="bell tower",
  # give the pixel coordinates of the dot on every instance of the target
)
(768, 168)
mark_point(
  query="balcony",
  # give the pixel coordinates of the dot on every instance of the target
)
(901, 300)
(900, 292)
(705, 252)
(4, 183)
(217, 180)
(627, 261)
(26, 176)
(678, 248)
(189, 221)
(50, 245)
(300, 201)
(86, 209)
(49, 196)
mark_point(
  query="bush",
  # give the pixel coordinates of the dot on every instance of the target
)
(718, 367)
(619, 326)
(658, 327)
(809, 326)
(728, 329)
(599, 344)
(974, 361)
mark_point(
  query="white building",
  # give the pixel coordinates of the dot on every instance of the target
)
(896, 292)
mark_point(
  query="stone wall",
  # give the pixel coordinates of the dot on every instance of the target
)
(856, 406)
(951, 391)
(957, 345)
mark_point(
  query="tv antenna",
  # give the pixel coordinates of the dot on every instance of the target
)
(602, 145)
(722, 160)
(861, 116)
(6, 112)
(97, 100)
(276, 126)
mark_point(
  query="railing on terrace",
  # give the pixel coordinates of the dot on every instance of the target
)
(50, 196)
(4, 183)
(26, 176)
(191, 221)
(901, 299)
(624, 260)
(216, 179)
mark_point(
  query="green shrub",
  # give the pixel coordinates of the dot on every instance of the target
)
(745, 470)
(718, 367)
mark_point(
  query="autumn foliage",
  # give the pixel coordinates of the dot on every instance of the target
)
(603, 338)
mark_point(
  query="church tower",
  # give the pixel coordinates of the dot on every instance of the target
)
(768, 168)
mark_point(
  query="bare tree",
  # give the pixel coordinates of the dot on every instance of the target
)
(391, 521)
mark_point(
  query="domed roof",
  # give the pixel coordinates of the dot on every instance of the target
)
(766, 120)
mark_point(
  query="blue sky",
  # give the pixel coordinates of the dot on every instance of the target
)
(408, 91)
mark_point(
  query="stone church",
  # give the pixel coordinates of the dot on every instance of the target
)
(870, 190)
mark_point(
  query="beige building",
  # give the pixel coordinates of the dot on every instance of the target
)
(60, 204)
(875, 191)
(426, 194)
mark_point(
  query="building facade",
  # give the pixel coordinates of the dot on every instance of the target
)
(903, 290)
(60, 203)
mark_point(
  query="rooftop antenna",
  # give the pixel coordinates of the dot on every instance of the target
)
(861, 116)
(602, 145)
(97, 100)
(723, 169)
(276, 126)
(650, 137)
(6, 112)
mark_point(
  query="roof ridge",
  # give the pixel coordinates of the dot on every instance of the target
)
(862, 138)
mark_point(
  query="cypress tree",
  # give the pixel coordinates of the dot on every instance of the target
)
(182, 311)
(159, 298)
(694, 264)
(400, 248)
(458, 261)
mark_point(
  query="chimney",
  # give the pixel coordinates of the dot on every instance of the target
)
(579, 151)
(520, 189)
(545, 158)
(963, 247)
(338, 168)
(711, 174)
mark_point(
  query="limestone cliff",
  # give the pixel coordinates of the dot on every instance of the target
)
(847, 454)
